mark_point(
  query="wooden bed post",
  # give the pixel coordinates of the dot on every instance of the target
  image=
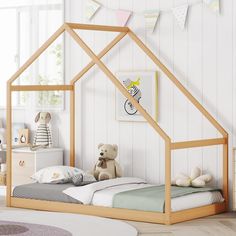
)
(9, 144)
(72, 127)
(167, 182)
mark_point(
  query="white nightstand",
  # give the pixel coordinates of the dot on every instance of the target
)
(26, 162)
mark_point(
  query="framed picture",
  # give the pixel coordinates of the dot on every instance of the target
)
(142, 85)
(15, 132)
(23, 136)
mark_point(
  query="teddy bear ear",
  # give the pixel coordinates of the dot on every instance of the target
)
(115, 147)
(100, 144)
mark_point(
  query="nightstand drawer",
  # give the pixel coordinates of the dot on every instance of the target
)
(23, 166)
(22, 163)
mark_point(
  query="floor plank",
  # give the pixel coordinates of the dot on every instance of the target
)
(222, 225)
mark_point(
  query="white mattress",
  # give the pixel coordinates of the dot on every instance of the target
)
(105, 197)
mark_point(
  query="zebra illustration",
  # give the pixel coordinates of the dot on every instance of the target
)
(134, 92)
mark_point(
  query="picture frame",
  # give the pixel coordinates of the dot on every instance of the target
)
(143, 86)
(15, 132)
(23, 136)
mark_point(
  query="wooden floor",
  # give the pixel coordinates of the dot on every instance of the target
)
(219, 225)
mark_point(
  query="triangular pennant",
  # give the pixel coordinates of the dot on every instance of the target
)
(91, 8)
(180, 14)
(214, 5)
(151, 18)
(123, 17)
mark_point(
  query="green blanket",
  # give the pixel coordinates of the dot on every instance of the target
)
(152, 198)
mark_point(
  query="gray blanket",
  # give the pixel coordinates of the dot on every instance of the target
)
(48, 192)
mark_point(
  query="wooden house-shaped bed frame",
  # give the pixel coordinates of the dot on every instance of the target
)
(167, 217)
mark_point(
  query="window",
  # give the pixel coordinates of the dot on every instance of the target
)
(28, 26)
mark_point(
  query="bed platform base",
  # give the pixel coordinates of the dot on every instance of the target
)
(117, 213)
(170, 146)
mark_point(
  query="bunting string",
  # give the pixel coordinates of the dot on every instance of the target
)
(180, 12)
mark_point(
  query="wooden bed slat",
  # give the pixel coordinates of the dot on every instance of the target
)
(115, 213)
(198, 143)
(41, 87)
(198, 212)
(118, 213)
(97, 27)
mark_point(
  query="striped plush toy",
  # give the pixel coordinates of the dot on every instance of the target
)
(43, 134)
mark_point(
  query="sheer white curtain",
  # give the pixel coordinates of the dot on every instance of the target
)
(24, 26)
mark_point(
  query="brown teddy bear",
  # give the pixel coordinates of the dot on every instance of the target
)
(106, 166)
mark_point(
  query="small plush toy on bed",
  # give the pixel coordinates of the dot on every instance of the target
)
(106, 166)
(194, 180)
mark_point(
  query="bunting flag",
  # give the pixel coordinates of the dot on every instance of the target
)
(123, 17)
(151, 18)
(91, 8)
(214, 5)
(180, 14)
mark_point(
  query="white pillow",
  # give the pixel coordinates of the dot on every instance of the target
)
(56, 174)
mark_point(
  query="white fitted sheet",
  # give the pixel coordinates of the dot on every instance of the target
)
(105, 197)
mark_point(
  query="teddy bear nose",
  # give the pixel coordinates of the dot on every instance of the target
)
(101, 153)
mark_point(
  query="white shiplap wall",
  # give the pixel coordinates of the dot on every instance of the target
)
(202, 56)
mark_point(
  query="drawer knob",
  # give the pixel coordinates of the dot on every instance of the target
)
(21, 163)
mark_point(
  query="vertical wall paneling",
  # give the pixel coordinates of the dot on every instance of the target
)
(139, 128)
(73, 62)
(165, 86)
(88, 103)
(112, 61)
(153, 157)
(224, 72)
(100, 81)
(234, 72)
(194, 82)
(234, 82)
(126, 128)
(180, 57)
(209, 84)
